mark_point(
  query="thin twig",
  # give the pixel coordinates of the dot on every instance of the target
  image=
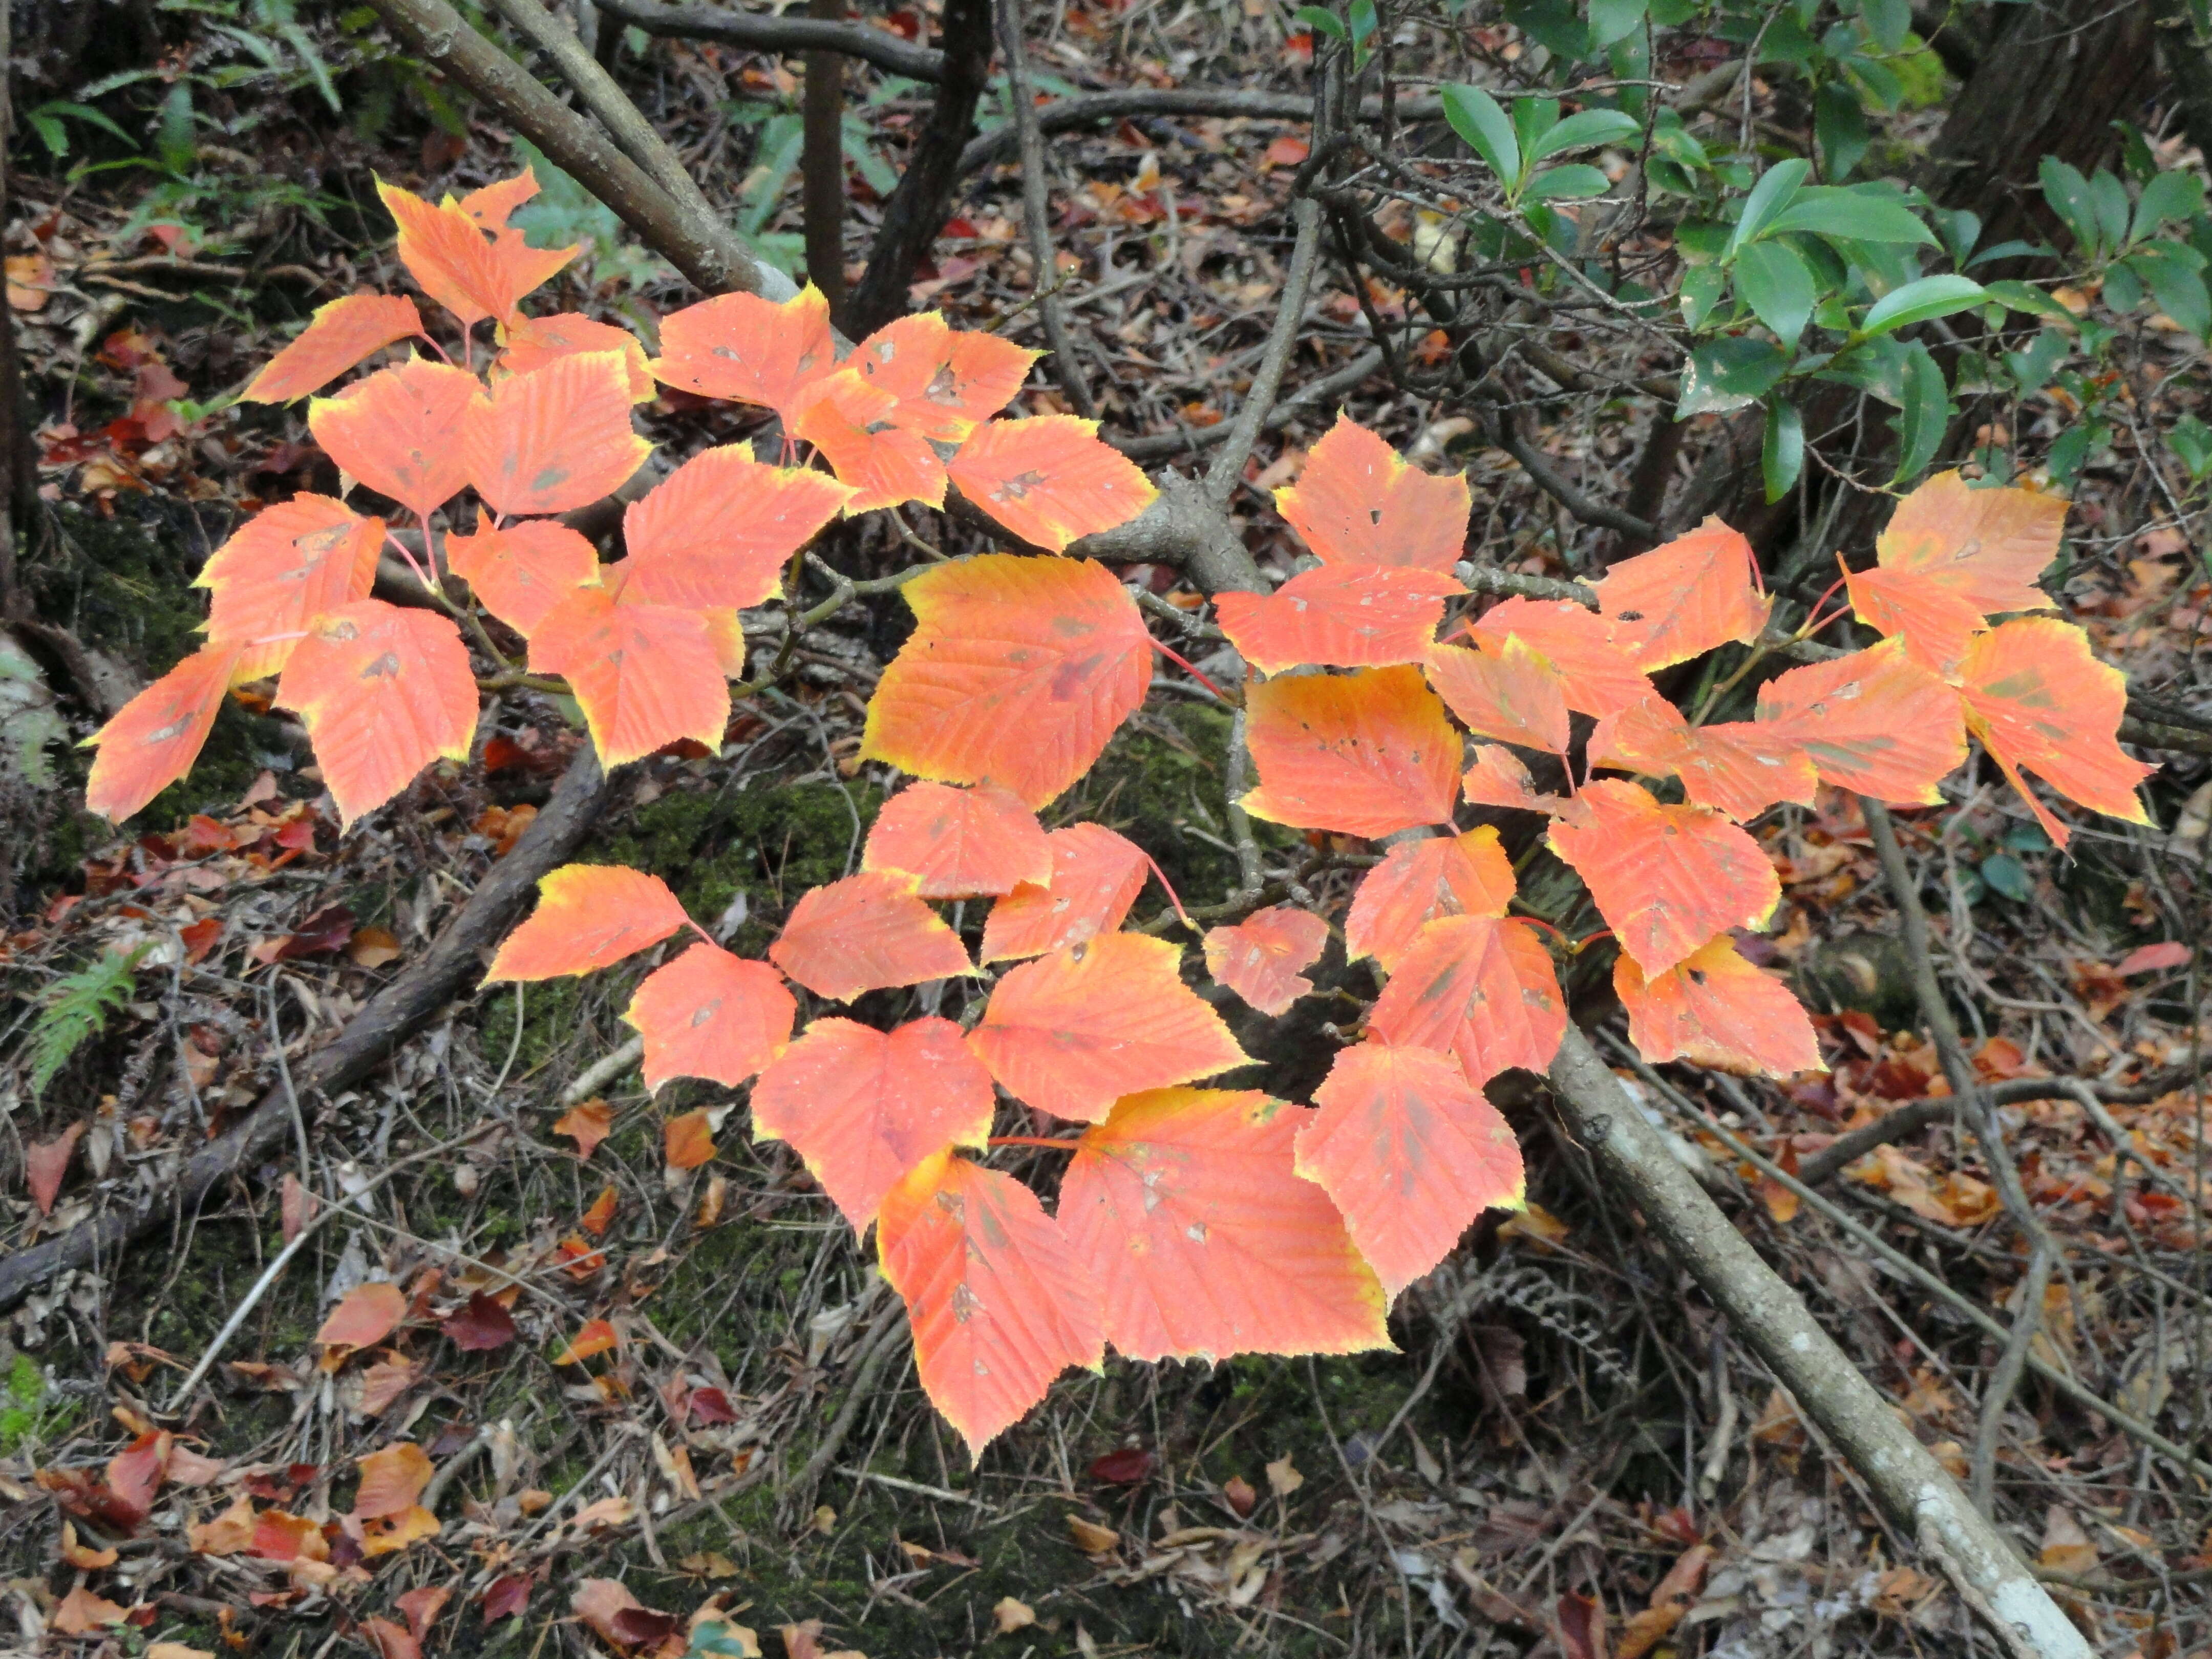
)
(1067, 368)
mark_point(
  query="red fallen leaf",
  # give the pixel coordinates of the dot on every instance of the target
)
(1240, 1496)
(479, 1325)
(1581, 1628)
(709, 1406)
(279, 1535)
(298, 1207)
(1287, 151)
(2144, 958)
(507, 1598)
(596, 1219)
(367, 1314)
(579, 1259)
(588, 1125)
(596, 1338)
(80, 1555)
(636, 1627)
(607, 1605)
(1131, 1466)
(135, 1473)
(391, 1480)
(44, 1163)
(391, 1641)
(327, 930)
(199, 938)
(689, 1141)
(81, 1612)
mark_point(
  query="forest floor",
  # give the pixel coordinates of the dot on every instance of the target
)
(642, 1376)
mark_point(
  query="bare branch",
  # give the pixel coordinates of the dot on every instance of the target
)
(757, 33)
(1259, 399)
(1085, 109)
(1066, 367)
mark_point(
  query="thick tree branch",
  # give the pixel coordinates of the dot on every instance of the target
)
(756, 32)
(822, 163)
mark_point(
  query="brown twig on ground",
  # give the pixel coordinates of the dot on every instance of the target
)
(1084, 109)
(413, 996)
(758, 32)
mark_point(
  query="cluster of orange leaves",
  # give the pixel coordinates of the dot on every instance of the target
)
(1190, 1222)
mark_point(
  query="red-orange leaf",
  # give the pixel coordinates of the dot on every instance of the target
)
(947, 381)
(399, 431)
(710, 1014)
(1018, 670)
(1714, 1008)
(863, 1107)
(490, 207)
(1743, 767)
(718, 532)
(155, 737)
(1666, 879)
(340, 335)
(44, 1163)
(1260, 957)
(383, 692)
(1680, 600)
(687, 1141)
(588, 917)
(556, 438)
(448, 254)
(597, 1337)
(367, 1314)
(1186, 1209)
(1601, 678)
(957, 843)
(521, 573)
(999, 1304)
(1411, 1151)
(1050, 479)
(1513, 696)
(533, 342)
(1874, 722)
(588, 1125)
(1480, 985)
(1340, 616)
(747, 349)
(866, 932)
(286, 566)
(1368, 754)
(2040, 702)
(1500, 778)
(1420, 880)
(1074, 1032)
(645, 674)
(1953, 555)
(1096, 877)
(1359, 502)
(849, 421)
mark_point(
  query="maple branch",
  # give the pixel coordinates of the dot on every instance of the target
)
(705, 250)
(1915, 1491)
(755, 33)
(1067, 368)
(413, 997)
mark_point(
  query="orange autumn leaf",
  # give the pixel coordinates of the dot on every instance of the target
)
(710, 1014)
(1714, 1008)
(44, 1164)
(399, 431)
(597, 1220)
(82, 1556)
(1420, 880)
(1741, 767)
(82, 1611)
(473, 275)
(1500, 777)
(1601, 678)
(958, 843)
(135, 1473)
(998, 1304)
(1368, 754)
(1481, 986)
(492, 205)
(391, 1480)
(947, 381)
(389, 1640)
(718, 532)
(1096, 875)
(339, 336)
(1682, 599)
(1358, 502)
(1411, 1152)
(367, 1314)
(230, 1533)
(2040, 702)
(688, 1139)
(279, 1535)
(382, 690)
(1339, 615)
(1952, 557)
(1666, 879)
(1073, 1032)
(521, 573)
(1050, 479)
(1181, 1188)
(155, 737)
(588, 917)
(554, 439)
(1260, 957)
(849, 421)
(862, 1107)
(1874, 722)
(283, 568)
(1018, 670)
(868, 932)
(644, 674)
(596, 1338)
(748, 349)
(533, 342)
(588, 1125)
(1509, 695)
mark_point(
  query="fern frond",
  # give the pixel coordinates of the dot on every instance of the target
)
(77, 1006)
